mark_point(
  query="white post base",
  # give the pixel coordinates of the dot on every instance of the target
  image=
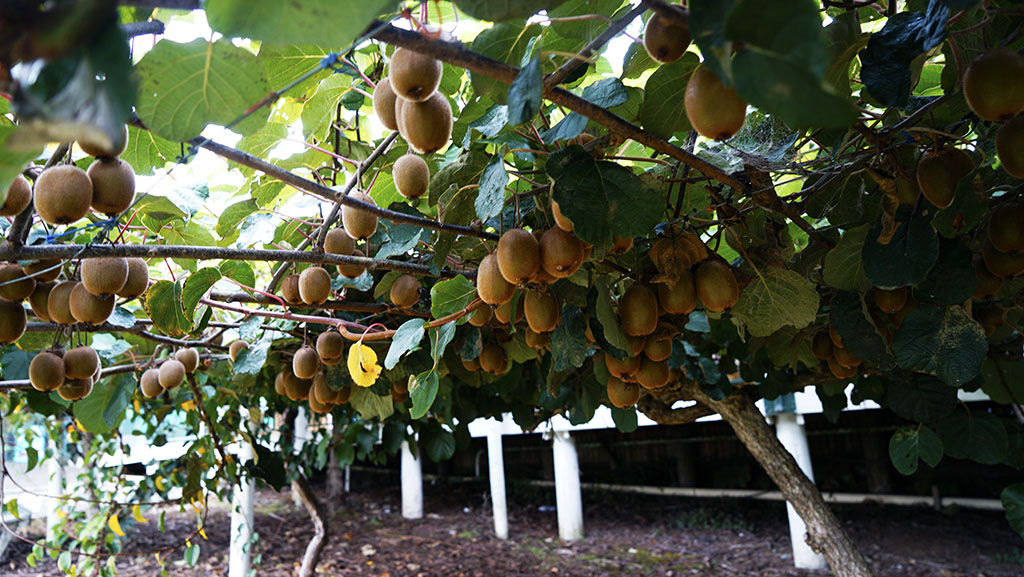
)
(568, 497)
(496, 473)
(412, 484)
(789, 428)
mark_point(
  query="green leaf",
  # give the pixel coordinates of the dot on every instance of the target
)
(886, 62)
(441, 337)
(790, 29)
(104, 408)
(195, 288)
(233, 216)
(325, 22)
(250, 361)
(920, 398)
(268, 466)
(466, 170)
(122, 317)
(952, 280)
(491, 196)
(12, 508)
(437, 442)
(973, 435)
(1013, 503)
(602, 198)
(625, 419)
(662, 112)
(844, 267)
(502, 42)
(407, 339)
(239, 271)
(849, 317)
(184, 87)
(776, 299)
(64, 561)
(605, 93)
(707, 26)
(524, 95)
(500, 10)
(146, 151)
(945, 342)
(907, 257)
(371, 405)
(163, 305)
(12, 162)
(607, 328)
(318, 111)
(259, 144)
(907, 446)
(568, 342)
(192, 554)
(451, 296)
(287, 64)
(422, 391)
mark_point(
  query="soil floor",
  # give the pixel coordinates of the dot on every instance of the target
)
(626, 535)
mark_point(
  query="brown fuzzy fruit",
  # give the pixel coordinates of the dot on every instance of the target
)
(1010, 146)
(89, 308)
(491, 286)
(108, 150)
(561, 253)
(658, 349)
(138, 278)
(518, 256)
(994, 84)
(75, 389)
(405, 292)
(12, 321)
(890, 301)
(1002, 264)
(81, 362)
(637, 344)
(338, 241)
(297, 389)
(988, 283)
(314, 285)
(316, 406)
(714, 110)
(503, 312)
(279, 384)
(427, 125)
(321, 390)
(536, 340)
(680, 299)
(833, 336)
(44, 270)
(620, 368)
(189, 358)
(938, 175)
(58, 304)
(542, 311)
(1006, 227)
(716, 285)
(561, 220)
(638, 310)
(290, 289)
(359, 223)
(411, 175)
(492, 358)
(622, 394)
(46, 371)
(39, 298)
(481, 316)
(845, 358)
(104, 275)
(821, 346)
(14, 285)
(149, 382)
(113, 185)
(666, 40)
(330, 345)
(19, 195)
(472, 365)
(990, 317)
(305, 363)
(237, 347)
(342, 395)
(384, 104)
(414, 76)
(652, 374)
(621, 245)
(63, 194)
(839, 371)
(172, 374)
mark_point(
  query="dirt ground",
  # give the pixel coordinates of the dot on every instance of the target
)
(626, 535)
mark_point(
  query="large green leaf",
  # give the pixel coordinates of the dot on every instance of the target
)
(491, 196)
(945, 342)
(146, 151)
(163, 305)
(973, 435)
(451, 296)
(775, 299)
(844, 268)
(422, 391)
(324, 22)
(195, 288)
(524, 95)
(500, 10)
(850, 318)
(318, 112)
(953, 279)
(790, 29)
(568, 342)
(906, 258)
(407, 338)
(12, 162)
(908, 446)
(104, 408)
(502, 42)
(662, 112)
(920, 398)
(1013, 503)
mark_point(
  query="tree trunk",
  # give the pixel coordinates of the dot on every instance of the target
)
(824, 534)
(300, 487)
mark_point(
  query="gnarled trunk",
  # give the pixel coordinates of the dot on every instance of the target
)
(300, 487)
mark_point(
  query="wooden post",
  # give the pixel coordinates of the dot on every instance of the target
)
(568, 497)
(496, 472)
(412, 484)
(789, 428)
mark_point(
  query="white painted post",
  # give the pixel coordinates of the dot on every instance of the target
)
(789, 428)
(348, 476)
(412, 484)
(496, 473)
(55, 487)
(301, 431)
(242, 523)
(568, 498)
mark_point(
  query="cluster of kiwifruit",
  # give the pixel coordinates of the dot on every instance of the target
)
(828, 346)
(71, 373)
(646, 365)
(170, 374)
(304, 380)
(1002, 253)
(994, 88)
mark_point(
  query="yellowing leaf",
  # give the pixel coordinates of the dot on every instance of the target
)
(189, 405)
(362, 365)
(202, 532)
(160, 484)
(137, 514)
(78, 425)
(12, 508)
(115, 525)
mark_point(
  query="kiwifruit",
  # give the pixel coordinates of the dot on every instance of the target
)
(330, 345)
(491, 286)
(342, 395)
(297, 389)
(411, 175)
(636, 343)
(481, 316)
(716, 285)
(104, 275)
(189, 358)
(1002, 264)
(472, 365)
(542, 311)
(536, 340)
(306, 362)
(620, 368)
(561, 253)
(845, 358)
(138, 278)
(314, 285)
(939, 174)
(427, 125)
(658, 349)
(414, 76)
(316, 406)
(350, 270)
(321, 390)
(113, 185)
(46, 371)
(1010, 146)
(518, 256)
(621, 245)
(58, 304)
(839, 371)
(1006, 227)
(338, 241)
(503, 312)
(384, 104)
(51, 267)
(890, 301)
(638, 310)
(994, 84)
(399, 109)
(237, 347)
(359, 223)
(652, 374)
(897, 317)
(89, 308)
(81, 362)
(39, 298)
(492, 358)
(405, 292)
(116, 148)
(988, 283)
(990, 317)
(833, 336)
(332, 361)
(561, 221)
(172, 373)
(714, 110)
(680, 299)
(63, 194)
(19, 194)
(14, 285)
(290, 289)
(75, 389)
(821, 345)
(279, 384)
(666, 40)
(149, 382)
(622, 394)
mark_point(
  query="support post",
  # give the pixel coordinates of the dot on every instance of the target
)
(496, 473)
(412, 484)
(568, 497)
(789, 428)
(242, 522)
